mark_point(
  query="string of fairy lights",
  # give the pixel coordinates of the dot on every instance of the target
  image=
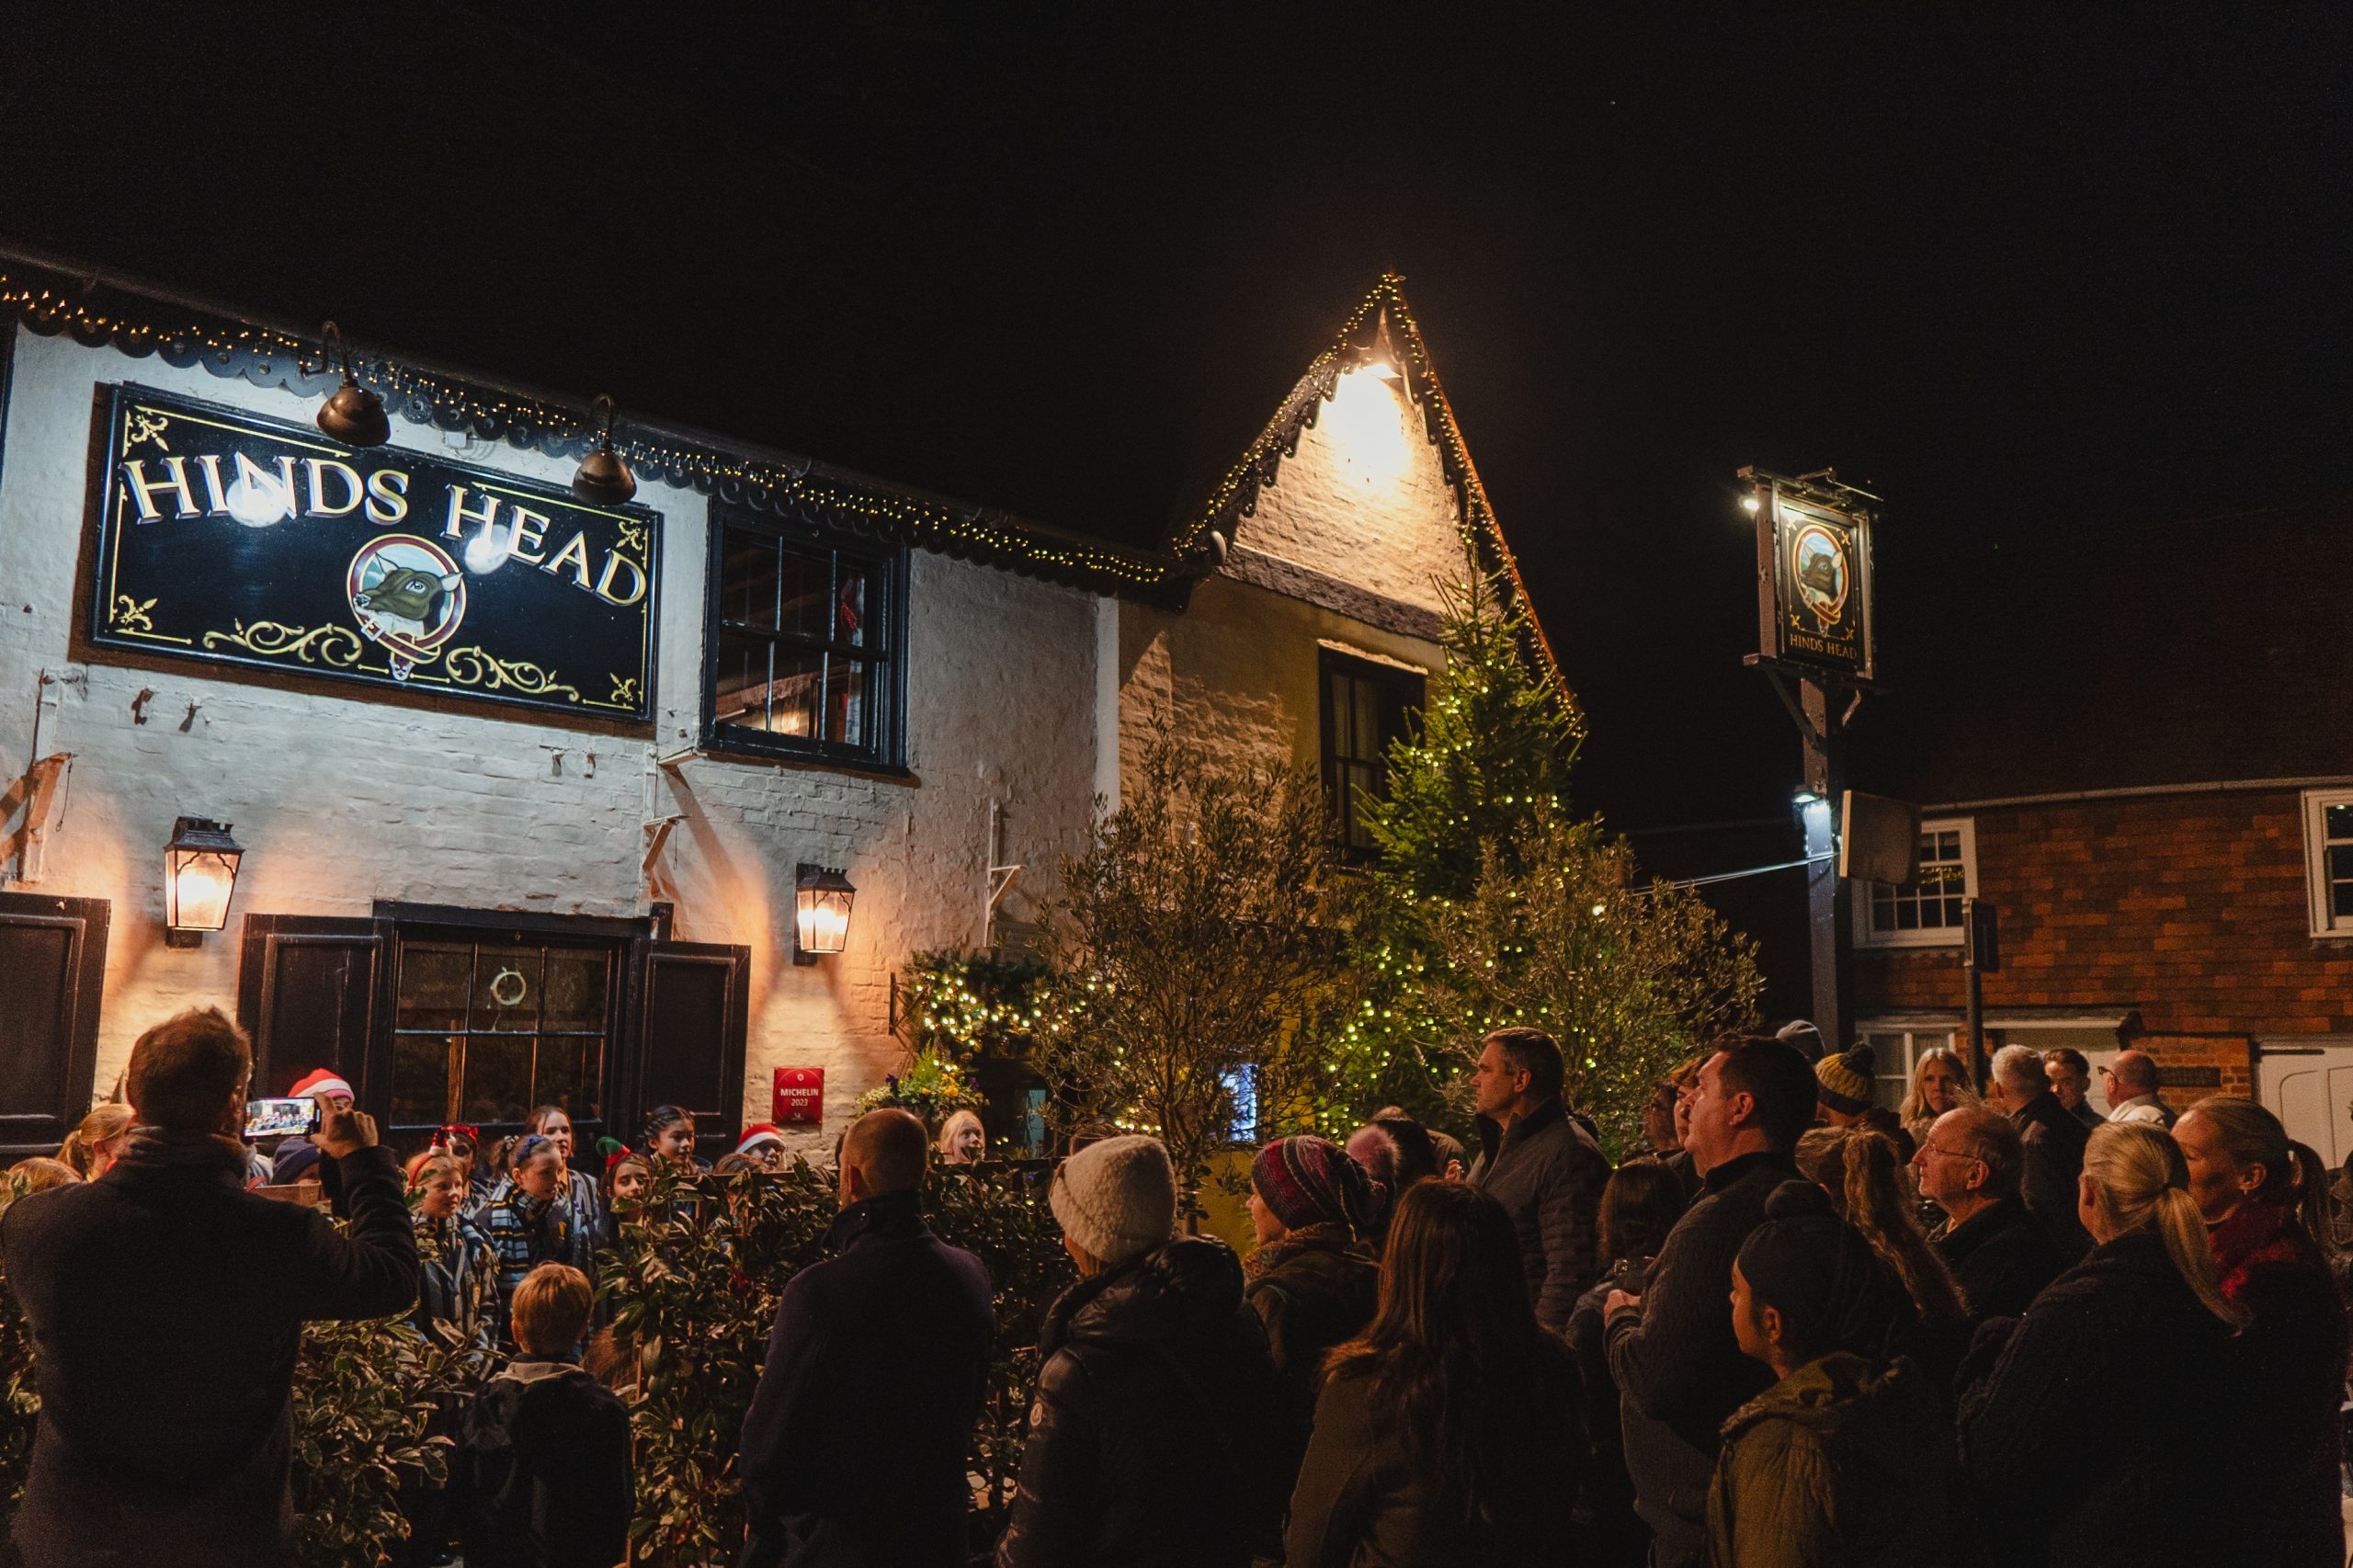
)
(50, 310)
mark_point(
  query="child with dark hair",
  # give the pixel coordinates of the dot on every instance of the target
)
(1848, 1456)
(542, 1476)
(1640, 1204)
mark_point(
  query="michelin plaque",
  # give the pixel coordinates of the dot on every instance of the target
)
(235, 538)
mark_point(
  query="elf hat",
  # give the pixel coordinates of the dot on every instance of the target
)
(321, 1082)
(1845, 1080)
(757, 1134)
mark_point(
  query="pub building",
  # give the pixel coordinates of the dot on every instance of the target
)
(491, 751)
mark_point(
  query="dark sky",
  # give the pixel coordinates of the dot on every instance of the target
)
(2080, 268)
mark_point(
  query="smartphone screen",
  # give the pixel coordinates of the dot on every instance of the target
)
(280, 1118)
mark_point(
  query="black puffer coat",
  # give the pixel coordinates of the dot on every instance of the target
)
(2117, 1380)
(1312, 1290)
(1147, 1440)
(1548, 1173)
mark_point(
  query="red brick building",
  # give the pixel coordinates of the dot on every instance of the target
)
(2138, 744)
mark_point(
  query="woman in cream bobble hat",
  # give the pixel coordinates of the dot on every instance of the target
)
(1155, 1379)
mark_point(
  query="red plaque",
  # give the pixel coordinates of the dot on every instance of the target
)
(799, 1096)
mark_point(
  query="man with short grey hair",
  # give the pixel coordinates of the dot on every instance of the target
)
(1969, 1165)
(2133, 1090)
(2053, 1141)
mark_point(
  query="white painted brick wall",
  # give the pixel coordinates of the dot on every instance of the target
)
(343, 800)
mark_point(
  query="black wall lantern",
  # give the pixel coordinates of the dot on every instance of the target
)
(200, 877)
(821, 923)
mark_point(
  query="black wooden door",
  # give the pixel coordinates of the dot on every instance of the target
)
(690, 1005)
(311, 992)
(53, 970)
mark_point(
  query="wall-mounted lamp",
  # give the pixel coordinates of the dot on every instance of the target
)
(199, 875)
(821, 922)
(603, 479)
(352, 414)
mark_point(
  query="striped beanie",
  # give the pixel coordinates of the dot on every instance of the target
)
(1845, 1080)
(1311, 1181)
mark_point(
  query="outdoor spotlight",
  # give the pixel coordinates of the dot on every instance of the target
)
(604, 480)
(199, 875)
(1751, 504)
(821, 922)
(351, 414)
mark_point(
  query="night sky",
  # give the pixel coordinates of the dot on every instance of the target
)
(2050, 269)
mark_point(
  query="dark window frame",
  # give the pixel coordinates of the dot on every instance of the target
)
(885, 653)
(1402, 695)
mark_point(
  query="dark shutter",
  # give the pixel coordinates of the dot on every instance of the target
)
(692, 1002)
(310, 991)
(53, 954)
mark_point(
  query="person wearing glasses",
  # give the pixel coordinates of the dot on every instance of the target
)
(1970, 1165)
(2133, 1090)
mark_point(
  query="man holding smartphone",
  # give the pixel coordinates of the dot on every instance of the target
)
(166, 1306)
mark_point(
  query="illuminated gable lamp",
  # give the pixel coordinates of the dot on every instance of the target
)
(199, 875)
(351, 414)
(604, 480)
(821, 923)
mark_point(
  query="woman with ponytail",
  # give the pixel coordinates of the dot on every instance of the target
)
(1859, 1169)
(2264, 1201)
(93, 1147)
(2118, 1379)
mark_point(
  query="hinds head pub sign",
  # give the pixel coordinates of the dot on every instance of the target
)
(1813, 574)
(227, 537)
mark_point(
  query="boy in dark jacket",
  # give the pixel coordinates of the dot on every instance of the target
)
(542, 1476)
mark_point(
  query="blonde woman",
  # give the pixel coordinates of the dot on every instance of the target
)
(2119, 1378)
(93, 1146)
(962, 1140)
(1940, 1083)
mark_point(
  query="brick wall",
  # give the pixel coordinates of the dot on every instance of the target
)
(2189, 909)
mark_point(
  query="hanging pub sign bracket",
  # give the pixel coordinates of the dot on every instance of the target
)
(228, 538)
(1813, 574)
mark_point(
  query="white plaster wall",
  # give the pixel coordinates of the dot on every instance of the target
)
(343, 800)
(1364, 499)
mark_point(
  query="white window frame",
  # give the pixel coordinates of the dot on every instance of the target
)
(1869, 936)
(2324, 923)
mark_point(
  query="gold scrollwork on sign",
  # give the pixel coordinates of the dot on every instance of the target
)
(473, 666)
(130, 614)
(633, 535)
(144, 425)
(337, 645)
(624, 689)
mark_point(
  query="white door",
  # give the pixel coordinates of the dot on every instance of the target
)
(2308, 1085)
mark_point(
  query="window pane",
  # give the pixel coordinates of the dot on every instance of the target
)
(507, 989)
(747, 579)
(498, 1078)
(433, 980)
(793, 700)
(1907, 915)
(421, 1068)
(1358, 792)
(2340, 822)
(845, 699)
(1343, 713)
(575, 994)
(740, 684)
(1367, 727)
(808, 588)
(568, 1075)
(849, 604)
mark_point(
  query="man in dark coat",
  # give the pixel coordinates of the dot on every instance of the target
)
(2001, 1255)
(1152, 1418)
(1679, 1370)
(167, 1304)
(1542, 1165)
(2053, 1141)
(855, 1445)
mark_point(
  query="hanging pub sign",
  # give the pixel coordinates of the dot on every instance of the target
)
(227, 537)
(1813, 574)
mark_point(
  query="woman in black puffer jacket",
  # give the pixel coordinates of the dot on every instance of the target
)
(1145, 1441)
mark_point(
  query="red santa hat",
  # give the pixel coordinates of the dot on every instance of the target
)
(757, 1134)
(318, 1082)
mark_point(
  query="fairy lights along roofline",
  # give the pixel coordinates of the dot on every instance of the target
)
(53, 300)
(1381, 313)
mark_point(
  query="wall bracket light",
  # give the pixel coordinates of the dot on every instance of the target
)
(603, 477)
(821, 923)
(352, 414)
(199, 878)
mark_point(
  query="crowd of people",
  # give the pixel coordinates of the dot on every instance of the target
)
(1797, 1329)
